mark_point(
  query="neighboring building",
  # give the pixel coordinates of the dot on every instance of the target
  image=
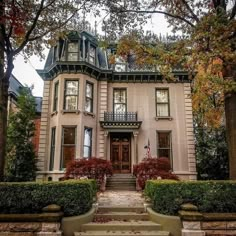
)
(93, 109)
(13, 92)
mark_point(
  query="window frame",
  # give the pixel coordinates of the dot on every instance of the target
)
(73, 52)
(90, 98)
(91, 142)
(89, 55)
(169, 132)
(125, 103)
(163, 103)
(67, 145)
(52, 148)
(70, 95)
(55, 97)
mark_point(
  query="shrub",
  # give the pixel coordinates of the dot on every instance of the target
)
(75, 197)
(92, 168)
(209, 196)
(153, 168)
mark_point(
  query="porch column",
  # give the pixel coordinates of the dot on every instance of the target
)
(135, 133)
(105, 143)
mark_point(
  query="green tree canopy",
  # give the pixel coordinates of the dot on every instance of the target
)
(21, 159)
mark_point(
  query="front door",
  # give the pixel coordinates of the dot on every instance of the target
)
(120, 153)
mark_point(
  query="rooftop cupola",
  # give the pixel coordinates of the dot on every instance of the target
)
(77, 47)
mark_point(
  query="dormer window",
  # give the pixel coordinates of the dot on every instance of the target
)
(92, 55)
(73, 48)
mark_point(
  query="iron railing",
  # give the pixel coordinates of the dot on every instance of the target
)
(120, 116)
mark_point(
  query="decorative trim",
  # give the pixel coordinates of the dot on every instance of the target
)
(109, 75)
(163, 118)
(70, 111)
(54, 113)
(89, 114)
(118, 125)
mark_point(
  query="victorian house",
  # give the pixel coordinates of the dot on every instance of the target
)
(93, 109)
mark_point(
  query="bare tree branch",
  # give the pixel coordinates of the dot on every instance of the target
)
(16, 51)
(161, 12)
(190, 10)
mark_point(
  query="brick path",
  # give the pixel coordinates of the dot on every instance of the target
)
(121, 198)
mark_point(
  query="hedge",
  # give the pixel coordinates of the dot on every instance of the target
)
(209, 196)
(75, 197)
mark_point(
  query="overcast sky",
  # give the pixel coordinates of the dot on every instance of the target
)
(26, 74)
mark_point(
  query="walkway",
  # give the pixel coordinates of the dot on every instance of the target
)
(121, 198)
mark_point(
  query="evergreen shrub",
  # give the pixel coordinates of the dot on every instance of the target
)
(153, 168)
(74, 196)
(209, 196)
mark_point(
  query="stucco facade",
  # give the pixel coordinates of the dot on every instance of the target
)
(121, 119)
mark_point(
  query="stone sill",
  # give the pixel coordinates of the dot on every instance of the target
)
(163, 118)
(86, 113)
(70, 111)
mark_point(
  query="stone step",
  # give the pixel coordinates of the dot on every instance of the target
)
(120, 208)
(121, 185)
(116, 225)
(122, 177)
(121, 180)
(128, 188)
(122, 216)
(122, 233)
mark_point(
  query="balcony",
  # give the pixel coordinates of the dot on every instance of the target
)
(120, 120)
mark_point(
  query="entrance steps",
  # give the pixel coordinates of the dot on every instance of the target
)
(121, 182)
(121, 221)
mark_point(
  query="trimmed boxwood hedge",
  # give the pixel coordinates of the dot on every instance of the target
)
(74, 196)
(209, 196)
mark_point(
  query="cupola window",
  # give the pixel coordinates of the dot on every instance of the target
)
(73, 48)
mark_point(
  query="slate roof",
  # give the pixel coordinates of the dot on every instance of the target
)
(14, 90)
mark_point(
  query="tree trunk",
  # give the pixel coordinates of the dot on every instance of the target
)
(230, 115)
(3, 110)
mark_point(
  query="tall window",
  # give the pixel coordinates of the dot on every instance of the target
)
(89, 97)
(92, 55)
(55, 98)
(72, 53)
(162, 102)
(164, 144)
(71, 95)
(68, 145)
(87, 142)
(52, 152)
(119, 100)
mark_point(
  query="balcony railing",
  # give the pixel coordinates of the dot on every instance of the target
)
(120, 116)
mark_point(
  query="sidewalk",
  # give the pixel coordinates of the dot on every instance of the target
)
(121, 198)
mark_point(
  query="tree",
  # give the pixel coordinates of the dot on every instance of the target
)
(211, 153)
(21, 159)
(26, 27)
(209, 30)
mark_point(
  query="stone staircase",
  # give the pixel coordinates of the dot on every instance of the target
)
(121, 221)
(121, 182)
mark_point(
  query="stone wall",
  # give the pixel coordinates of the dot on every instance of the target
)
(47, 223)
(30, 229)
(195, 223)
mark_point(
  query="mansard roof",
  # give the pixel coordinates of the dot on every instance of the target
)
(89, 58)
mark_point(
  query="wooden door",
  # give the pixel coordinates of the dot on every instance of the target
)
(120, 153)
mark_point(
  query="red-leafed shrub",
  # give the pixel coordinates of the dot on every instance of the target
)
(92, 168)
(153, 168)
